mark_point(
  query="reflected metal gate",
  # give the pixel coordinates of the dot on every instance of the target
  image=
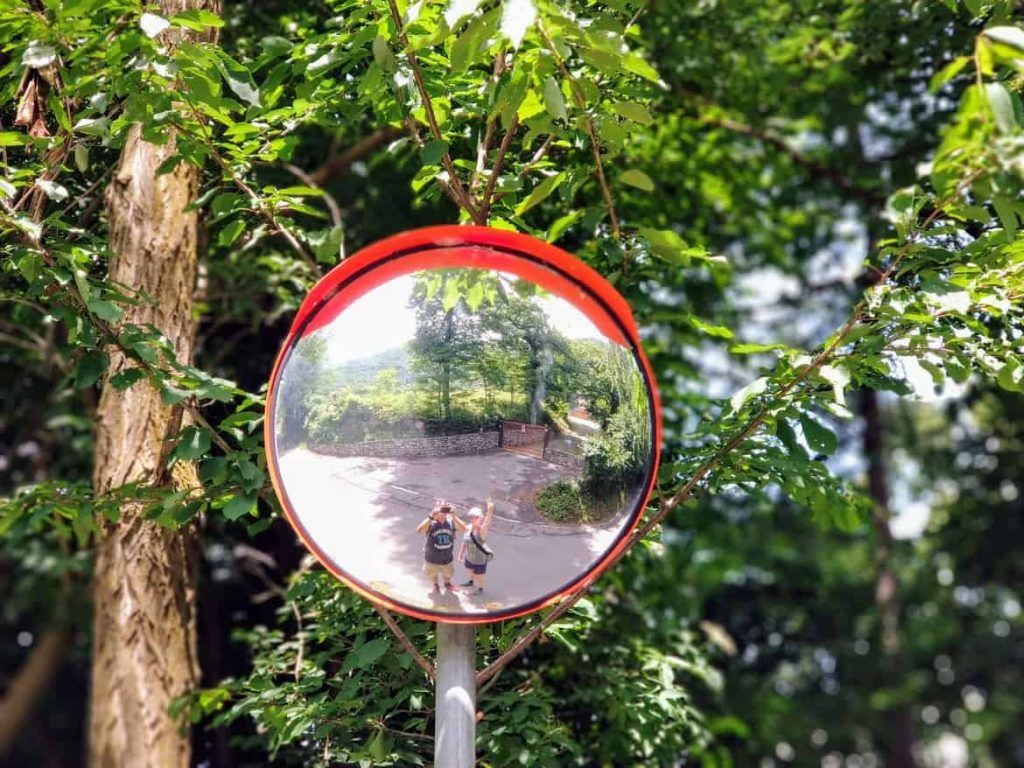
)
(523, 438)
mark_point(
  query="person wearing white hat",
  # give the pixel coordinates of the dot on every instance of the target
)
(474, 553)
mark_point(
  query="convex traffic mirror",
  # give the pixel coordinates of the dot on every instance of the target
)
(461, 424)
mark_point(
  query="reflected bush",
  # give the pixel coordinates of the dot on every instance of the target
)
(615, 459)
(562, 502)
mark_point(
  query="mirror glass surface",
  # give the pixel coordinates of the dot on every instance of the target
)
(461, 440)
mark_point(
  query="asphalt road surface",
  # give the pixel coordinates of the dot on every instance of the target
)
(363, 512)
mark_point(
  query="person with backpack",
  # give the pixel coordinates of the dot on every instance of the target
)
(439, 546)
(475, 554)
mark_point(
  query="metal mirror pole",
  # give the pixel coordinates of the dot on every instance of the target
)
(455, 719)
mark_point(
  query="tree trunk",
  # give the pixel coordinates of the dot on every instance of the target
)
(144, 623)
(447, 335)
(900, 752)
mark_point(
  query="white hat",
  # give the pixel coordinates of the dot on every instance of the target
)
(476, 512)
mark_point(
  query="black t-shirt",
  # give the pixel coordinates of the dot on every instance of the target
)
(438, 548)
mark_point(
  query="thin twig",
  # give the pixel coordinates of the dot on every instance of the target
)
(499, 162)
(484, 148)
(403, 638)
(309, 181)
(428, 107)
(258, 203)
(577, 95)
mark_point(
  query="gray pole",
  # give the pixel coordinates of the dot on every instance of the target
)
(455, 721)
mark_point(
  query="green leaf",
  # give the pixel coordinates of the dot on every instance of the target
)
(511, 95)
(171, 395)
(192, 443)
(540, 192)
(81, 158)
(240, 505)
(451, 295)
(239, 80)
(13, 139)
(105, 310)
(637, 179)
(90, 367)
(239, 419)
(379, 746)
(1010, 376)
(785, 432)
(230, 232)
(458, 9)
(711, 329)
(433, 151)
(1002, 106)
(197, 20)
(473, 41)
(838, 378)
(753, 389)
(1007, 216)
(554, 103)
(126, 378)
(475, 296)
(331, 248)
(1009, 36)
(382, 54)
(366, 654)
(669, 246)
(637, 113)
(562, 224)
(819, 437)
(92, 126)
(948, 72)
(639, 66)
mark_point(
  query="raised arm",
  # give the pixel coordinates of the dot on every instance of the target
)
(423, 527)
(459, 525)
(486, 525)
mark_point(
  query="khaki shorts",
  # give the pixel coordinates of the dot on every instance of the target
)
(444, 570)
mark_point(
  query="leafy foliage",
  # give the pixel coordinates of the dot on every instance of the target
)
(766, 132)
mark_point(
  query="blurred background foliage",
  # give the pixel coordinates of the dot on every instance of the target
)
(848, 583)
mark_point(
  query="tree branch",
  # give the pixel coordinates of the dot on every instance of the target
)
(772, 138)
(329, 201)
(485, 145)
(342, 161)
(454, 181)
(403, 638)
(499, 162)
(589, 124)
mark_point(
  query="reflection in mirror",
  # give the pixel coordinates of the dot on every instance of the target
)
(461, 441)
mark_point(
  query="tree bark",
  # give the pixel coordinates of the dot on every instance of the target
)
(144, 624)
(900, 752)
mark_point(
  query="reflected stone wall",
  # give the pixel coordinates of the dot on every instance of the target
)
(415, 447)
(563, 459)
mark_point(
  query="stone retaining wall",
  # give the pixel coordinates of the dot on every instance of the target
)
(415, 447)
(563, 459)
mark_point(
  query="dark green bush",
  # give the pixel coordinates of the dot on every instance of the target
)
(562, 502)
(613, 460)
